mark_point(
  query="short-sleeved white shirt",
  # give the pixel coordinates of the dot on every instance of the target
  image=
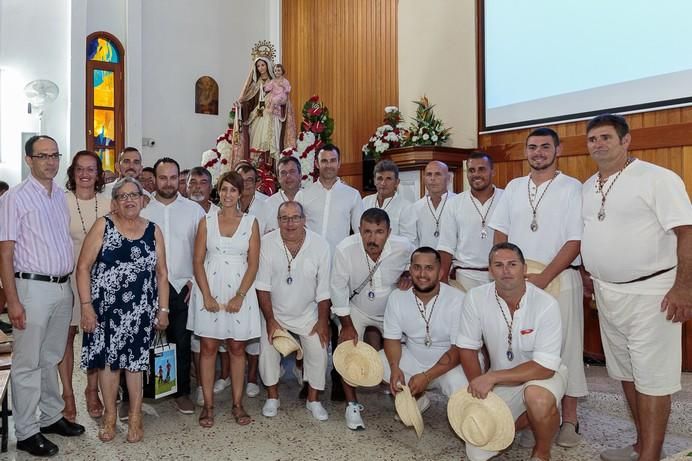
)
(402, 318)
(536, 331)
(636, 238)
(271, 209)
(334, 212)
(426, 214)
(558, 216)
(295, 305)
(461, 236)
(401, 219)
(350, 269)
(257, 209)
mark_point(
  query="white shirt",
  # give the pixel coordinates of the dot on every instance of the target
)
(536, 329)
(461, 235)
(295, 305)
(257, 209)
(351, 268)
(178, 222)
(558, 216)
(401, 218)
(636, 237)
(271, 209)
(426, 216)
(213, 209)
(403, 318)
(334, 212)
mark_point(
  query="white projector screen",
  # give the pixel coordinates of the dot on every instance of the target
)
(548, 60)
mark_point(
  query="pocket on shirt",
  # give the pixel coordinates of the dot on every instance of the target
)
(310, 269)
(527, 340)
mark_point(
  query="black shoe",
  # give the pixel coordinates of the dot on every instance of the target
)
(38, 445)
(64, 427)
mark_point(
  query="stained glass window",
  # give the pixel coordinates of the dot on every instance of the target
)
(107, 158)
(104, 127)
(101, 49)
(104, 88)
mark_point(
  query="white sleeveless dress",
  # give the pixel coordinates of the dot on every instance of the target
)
(225, 265)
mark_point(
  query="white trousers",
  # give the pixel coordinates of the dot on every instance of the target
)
(314, 359)
(448, 383)
(37, 351)
(465, 283)
(571, 302)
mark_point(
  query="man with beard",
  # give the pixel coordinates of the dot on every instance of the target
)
(432, 211)
(251, 200)
(426, 318)
(129, 164)
(520, 326)
(541, 213)
(367, 267)
(288, 172)
(148, 179)
(389, 199)
(178, 218)
(466, 239)
(293, 293)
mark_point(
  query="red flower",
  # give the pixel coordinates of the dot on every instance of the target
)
(315, 111)
(317, 127)
(314, 98)
(306, 125)
(304, 176)
(224, 161)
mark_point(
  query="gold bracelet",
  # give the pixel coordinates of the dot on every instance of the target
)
(425, 373)
(164, 309)
(85, 303)
(241, 293)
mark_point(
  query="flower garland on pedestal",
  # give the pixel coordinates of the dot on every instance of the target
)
(315, 132)
(390, 135)
(218, 160)
(426, 129)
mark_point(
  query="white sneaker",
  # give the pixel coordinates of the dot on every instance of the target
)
(298, 373)
(199, 397)
(252, 390)
(317, 410)
(271, 408)
(221, 384)
(353, 419)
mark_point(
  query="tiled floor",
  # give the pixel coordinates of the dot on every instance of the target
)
(294, 435)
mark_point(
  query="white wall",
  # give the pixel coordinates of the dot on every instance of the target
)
(437, 57)
(34, 44)
(181, 42)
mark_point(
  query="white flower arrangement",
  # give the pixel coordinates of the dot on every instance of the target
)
(387, 136)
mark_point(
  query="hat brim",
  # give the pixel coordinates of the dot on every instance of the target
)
(535, 267)
(408, 411)
(493, 405)
(358, 365)
(286, 344)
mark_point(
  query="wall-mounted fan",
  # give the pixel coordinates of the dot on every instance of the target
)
(40, 94)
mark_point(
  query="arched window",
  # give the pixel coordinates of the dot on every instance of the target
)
(105, 115)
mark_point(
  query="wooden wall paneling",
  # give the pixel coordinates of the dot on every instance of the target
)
(346, 52)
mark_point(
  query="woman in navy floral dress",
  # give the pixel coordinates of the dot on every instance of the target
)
(123, 289)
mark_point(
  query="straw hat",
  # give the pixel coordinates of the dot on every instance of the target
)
(407, 409)
(358, 365)
(534, 267)
(286, 344)
(484, 423)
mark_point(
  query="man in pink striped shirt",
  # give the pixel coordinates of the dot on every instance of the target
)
(36, 259)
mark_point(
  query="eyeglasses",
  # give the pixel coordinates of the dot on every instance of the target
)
(42, 157)
(284, 173)
(126, 197)
(290, 219)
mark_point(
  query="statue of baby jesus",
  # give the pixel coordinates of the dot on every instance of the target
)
(277, 90)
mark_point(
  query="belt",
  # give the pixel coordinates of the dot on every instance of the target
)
(42, 278)
(647, 277)
(479, 269)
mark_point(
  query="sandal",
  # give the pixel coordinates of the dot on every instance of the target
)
(93, 403)
(135, 432)
(107, 431)
(206, 417)
(69, 412)
(240, 415)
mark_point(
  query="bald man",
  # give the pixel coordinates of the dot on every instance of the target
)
(431, 212)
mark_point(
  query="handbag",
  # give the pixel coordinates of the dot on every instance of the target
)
(161, 378)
